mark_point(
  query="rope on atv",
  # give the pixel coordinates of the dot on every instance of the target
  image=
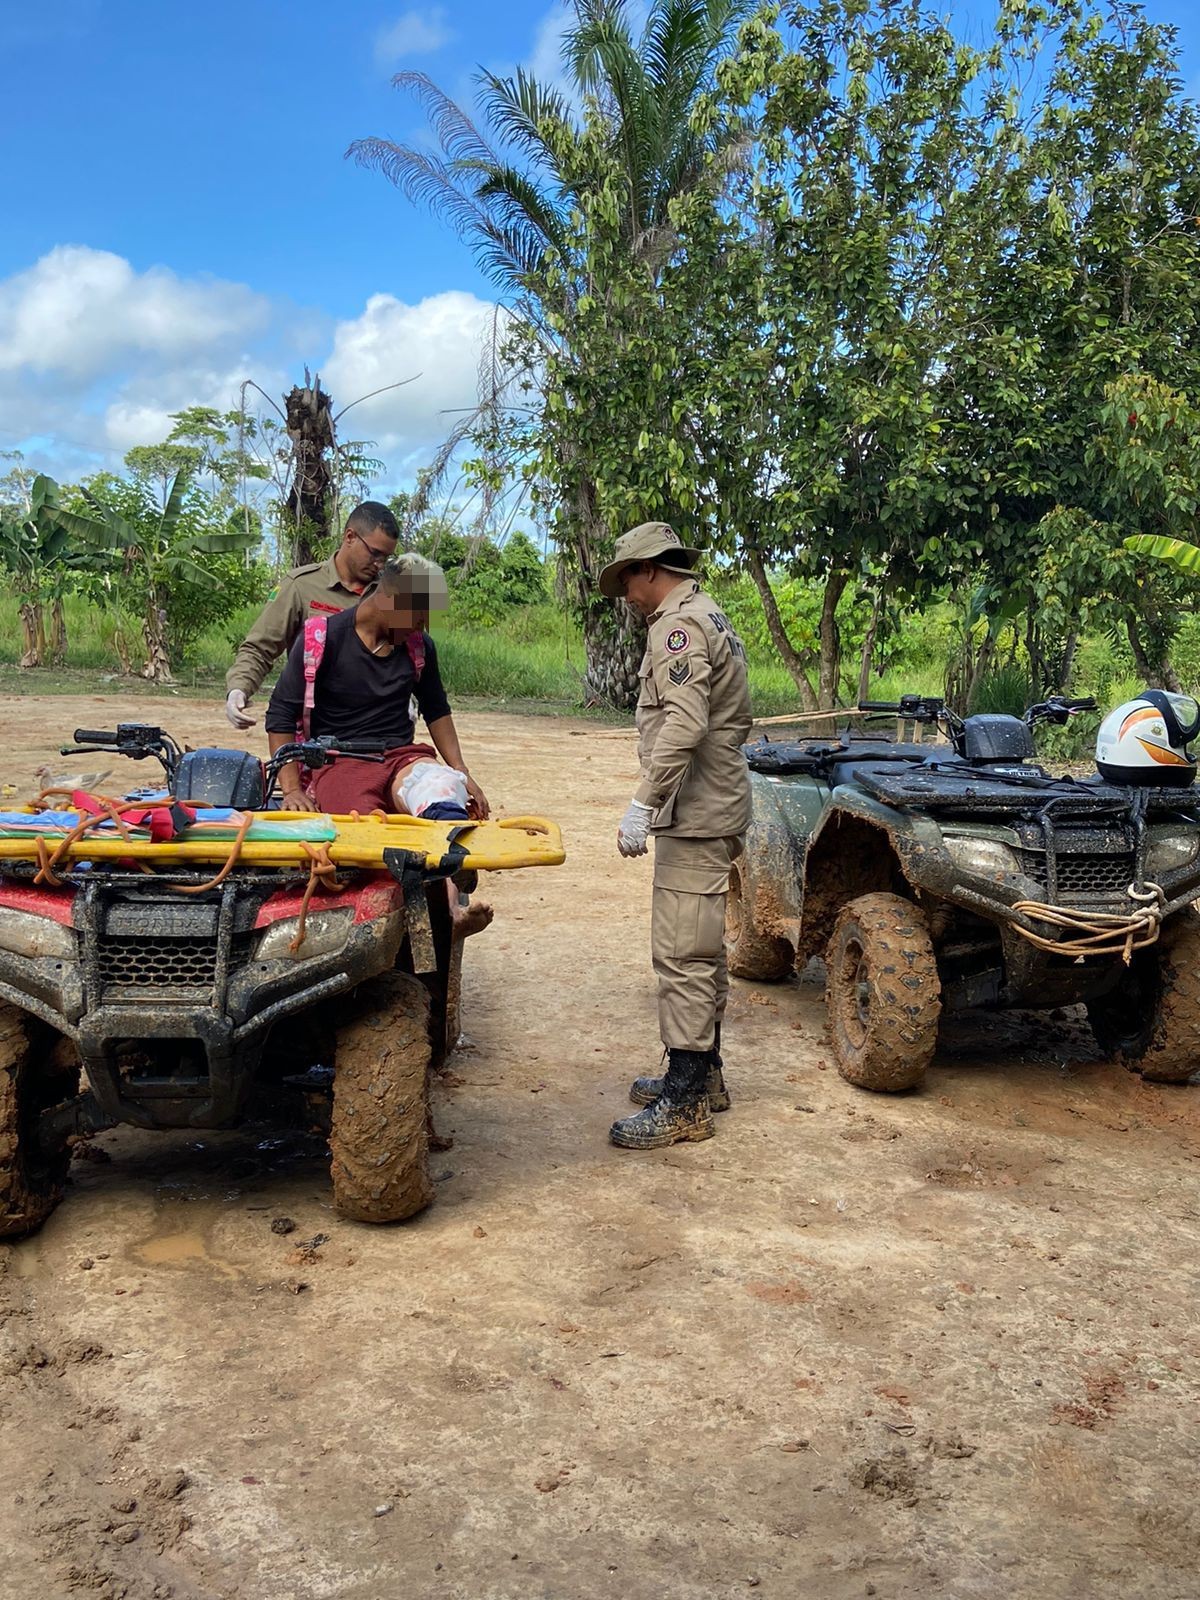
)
(322, 874)
(1098, 933)
(49, 860)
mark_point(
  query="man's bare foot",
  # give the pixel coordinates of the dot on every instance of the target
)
(470, 919)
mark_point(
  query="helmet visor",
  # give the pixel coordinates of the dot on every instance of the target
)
(1187, 714)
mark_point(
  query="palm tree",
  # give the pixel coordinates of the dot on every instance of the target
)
(511, 182)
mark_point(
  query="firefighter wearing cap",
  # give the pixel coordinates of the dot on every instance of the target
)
(693, 796)
(323, 588)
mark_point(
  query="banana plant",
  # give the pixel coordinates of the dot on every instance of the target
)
(38, 552)
(167, 545)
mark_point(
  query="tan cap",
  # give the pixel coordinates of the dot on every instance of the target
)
(649, 541)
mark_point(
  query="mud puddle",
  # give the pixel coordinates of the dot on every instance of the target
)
(171, 1246)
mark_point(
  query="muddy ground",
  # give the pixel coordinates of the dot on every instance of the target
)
(943, 1344)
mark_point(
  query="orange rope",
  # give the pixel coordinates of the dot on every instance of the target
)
(231, 860)
(48, 861)
(322, 874)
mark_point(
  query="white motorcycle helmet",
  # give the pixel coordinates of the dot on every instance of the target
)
(1145, 740)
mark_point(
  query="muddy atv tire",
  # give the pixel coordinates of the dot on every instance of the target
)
(750, 950)
(1151, 1019)
(38, 1069)
(882, 993)
(378, 1136)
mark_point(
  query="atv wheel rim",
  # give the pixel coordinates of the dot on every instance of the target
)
(856, 994)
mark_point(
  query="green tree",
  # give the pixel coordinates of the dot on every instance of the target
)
(158, 465)
(517, 191)
(1090, 288)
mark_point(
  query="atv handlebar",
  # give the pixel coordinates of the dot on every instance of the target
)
(1058, 709)
(320, 752)
(914, 707)
(137, 740)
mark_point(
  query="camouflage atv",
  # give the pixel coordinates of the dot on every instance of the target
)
(935, 876)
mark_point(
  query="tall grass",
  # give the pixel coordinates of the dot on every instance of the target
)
(536, 653)
(91, 643)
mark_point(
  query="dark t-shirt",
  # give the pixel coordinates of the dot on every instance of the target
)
(358, 695)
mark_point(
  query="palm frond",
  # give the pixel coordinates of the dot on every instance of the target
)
(517, 203)
(456, 132)
(521, 108)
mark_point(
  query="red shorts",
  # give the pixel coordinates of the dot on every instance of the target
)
(352, 784)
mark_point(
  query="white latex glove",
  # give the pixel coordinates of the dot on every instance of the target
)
(634, 829)
(235, 710)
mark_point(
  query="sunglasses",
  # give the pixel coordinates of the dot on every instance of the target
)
(377, 556)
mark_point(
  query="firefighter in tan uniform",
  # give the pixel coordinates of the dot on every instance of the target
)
(324, 587)
(693, 795)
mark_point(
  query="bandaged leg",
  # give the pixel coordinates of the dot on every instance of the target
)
(428, 789)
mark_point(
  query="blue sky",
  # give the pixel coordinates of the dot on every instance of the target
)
(158, 244)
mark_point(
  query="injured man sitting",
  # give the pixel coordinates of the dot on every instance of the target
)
(354, 675)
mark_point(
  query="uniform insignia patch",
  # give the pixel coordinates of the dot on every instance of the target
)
(679, 672)
(678, 639)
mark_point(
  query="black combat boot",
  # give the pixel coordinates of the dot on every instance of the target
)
(680, 1112)
(644, 1091)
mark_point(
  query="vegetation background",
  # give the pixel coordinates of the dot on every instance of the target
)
(903, 330)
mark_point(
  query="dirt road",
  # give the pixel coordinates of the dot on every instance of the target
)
(941, 1345)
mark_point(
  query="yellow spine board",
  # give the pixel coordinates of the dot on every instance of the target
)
(493, 846)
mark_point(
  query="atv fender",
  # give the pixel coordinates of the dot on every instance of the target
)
(862, 847)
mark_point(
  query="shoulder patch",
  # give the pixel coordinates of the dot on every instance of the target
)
(720, 621)
(679, 672)
(678, 639)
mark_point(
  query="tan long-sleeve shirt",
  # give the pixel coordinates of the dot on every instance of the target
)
(693, 716)
(304, 592)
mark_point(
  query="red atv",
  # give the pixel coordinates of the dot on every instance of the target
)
(181, 1000)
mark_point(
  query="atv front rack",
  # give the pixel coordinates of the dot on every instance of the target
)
(948, 787)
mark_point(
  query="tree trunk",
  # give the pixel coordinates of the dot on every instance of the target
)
(614, 637)
(830, 666)
(310, 429)
(615, 641)
(33, 635)
(1157, 674)
(154, 626)
(788, 654)
(868, 647)
(1066, 664)
(58, 633)
(983, 662)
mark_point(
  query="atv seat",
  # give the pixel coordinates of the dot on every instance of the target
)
(845, 768)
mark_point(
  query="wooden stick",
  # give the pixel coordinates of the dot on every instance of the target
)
(811, 716)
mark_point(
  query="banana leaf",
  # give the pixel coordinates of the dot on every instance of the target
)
(1178, 552)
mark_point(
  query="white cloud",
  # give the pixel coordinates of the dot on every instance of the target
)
(94, 356)
(78, 311)
(416, 33)
(545, 60)
(442, 339)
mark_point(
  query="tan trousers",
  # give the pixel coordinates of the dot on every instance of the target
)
(687, 936)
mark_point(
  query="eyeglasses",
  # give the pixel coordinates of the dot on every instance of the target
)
(377, 556)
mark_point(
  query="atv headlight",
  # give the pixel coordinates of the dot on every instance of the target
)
(324, 932)
(1171, 851)
(982, 855)
(26, 934)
